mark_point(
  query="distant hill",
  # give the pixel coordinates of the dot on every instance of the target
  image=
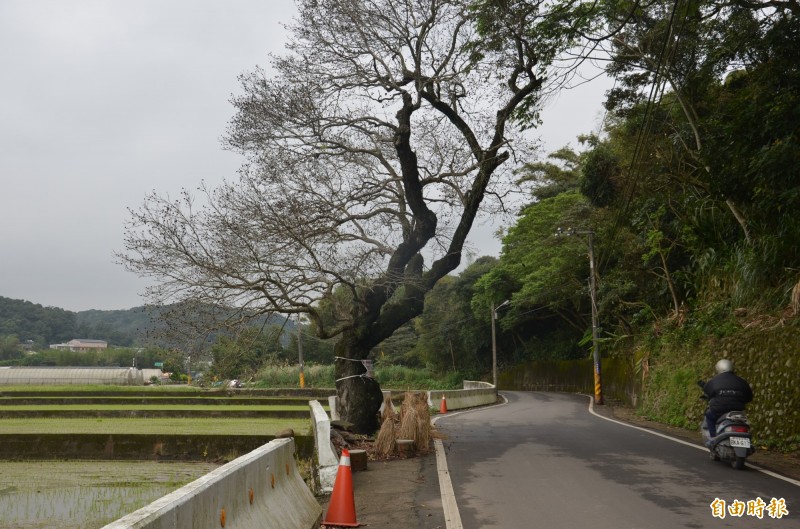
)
(48, 325)
(120, 328)
(117, 327)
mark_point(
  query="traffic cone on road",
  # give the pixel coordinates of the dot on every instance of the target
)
(443, 405)
(342, 507)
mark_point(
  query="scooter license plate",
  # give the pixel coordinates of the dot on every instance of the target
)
(742, 442)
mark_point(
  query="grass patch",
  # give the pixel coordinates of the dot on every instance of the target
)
(288, 376)
(96, 388)
(153, 407)
(406, 378)
(389, 377)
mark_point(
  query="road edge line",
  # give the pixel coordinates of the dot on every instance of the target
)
(452, 516)
(681, 441)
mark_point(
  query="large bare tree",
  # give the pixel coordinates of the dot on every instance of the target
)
(370, 147)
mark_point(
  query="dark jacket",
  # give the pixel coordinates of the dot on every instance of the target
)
(727, 392)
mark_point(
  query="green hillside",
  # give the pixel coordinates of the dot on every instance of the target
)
(24, 321)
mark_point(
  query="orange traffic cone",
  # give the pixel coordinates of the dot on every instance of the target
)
(443, 405)
(342, 507)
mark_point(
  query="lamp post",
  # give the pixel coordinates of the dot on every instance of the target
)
(494, 340)
(598, 385)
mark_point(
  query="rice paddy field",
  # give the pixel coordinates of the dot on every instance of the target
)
(85, 495)
(153, 426)
(88, 494)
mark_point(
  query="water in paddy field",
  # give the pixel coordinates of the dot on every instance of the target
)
(85, 494)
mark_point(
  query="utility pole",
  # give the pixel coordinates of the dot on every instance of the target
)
(494, 340)
(300, 352)
(598, 385)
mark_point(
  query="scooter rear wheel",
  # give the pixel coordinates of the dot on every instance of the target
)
(738, 463)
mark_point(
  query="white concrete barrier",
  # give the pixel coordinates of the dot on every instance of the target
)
(332, 407)
(474, 394)
(260, 489)
(326, 454)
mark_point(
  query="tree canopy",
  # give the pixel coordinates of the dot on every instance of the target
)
(371, 147)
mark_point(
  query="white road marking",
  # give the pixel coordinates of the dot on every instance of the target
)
(452, 516)
(681, 441)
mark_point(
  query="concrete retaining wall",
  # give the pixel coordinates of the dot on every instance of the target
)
(326, 453)
(139, 446)
(260, 489)
(575, 376)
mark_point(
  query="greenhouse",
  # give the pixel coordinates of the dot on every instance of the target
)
(57, 376)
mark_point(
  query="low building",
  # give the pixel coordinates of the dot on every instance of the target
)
(80, 345)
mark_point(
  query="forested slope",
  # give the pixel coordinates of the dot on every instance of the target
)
(22, 320)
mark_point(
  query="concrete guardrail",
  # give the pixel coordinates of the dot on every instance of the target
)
(260, 489)
(473, 394)
(326, 453)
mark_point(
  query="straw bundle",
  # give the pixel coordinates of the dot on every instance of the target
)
(415, 420)
(388, 409)
(408, 424)
(385, 440)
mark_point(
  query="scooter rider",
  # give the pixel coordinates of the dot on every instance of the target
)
(725, 392)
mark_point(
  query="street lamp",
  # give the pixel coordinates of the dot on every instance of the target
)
(494, 340)
(598, 386)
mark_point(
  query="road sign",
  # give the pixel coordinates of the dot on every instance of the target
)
(159, 364)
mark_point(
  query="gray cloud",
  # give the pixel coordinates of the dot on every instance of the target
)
(104, 101)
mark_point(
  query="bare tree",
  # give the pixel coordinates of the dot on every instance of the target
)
(370, 148)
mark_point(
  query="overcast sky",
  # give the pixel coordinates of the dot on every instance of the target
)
(103, 101)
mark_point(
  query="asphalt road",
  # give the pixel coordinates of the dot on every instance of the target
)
(544, 461)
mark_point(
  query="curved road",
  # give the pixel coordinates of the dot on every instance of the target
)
(543, 460)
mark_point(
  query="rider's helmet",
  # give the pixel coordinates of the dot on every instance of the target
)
(724, 366)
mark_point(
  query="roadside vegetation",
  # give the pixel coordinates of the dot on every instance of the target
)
(394, 377)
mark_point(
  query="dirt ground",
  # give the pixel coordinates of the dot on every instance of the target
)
(785, 464)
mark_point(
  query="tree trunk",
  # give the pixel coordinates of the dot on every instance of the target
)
(359, 395)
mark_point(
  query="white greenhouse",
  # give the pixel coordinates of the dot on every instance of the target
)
(58, 376)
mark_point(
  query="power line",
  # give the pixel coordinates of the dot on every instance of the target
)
(666, 55)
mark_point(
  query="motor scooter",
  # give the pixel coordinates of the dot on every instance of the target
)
(733, 442)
